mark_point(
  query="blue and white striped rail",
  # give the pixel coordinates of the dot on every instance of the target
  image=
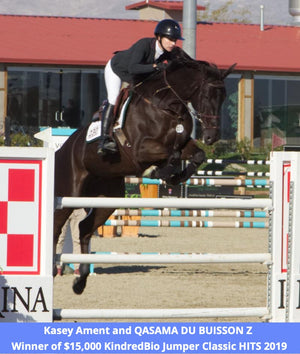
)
(238, 182)
(187, 223)
(194, 213)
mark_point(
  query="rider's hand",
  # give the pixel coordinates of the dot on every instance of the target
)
(161, 66)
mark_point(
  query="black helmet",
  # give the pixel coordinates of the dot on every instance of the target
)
(168, 28)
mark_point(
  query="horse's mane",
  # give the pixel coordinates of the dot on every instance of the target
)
(179, 58)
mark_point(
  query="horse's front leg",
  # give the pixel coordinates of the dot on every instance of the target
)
(85, 236)
(94, 219)
(171, 167)
(195, 156)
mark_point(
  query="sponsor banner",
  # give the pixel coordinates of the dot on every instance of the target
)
(26, 299)
(150, 338)
(20, 216)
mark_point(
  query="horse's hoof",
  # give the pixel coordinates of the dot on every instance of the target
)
(173, 181)
(79, 285)
(149, 171)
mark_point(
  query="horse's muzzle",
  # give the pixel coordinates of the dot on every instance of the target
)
(210, 136)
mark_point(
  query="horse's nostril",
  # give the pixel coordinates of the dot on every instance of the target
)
(209, 140)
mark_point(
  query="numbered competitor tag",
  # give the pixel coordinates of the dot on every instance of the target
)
(93, 131)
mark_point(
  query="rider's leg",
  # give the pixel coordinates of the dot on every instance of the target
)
(113, 85)
(106, 143)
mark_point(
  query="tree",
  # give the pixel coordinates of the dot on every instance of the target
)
(225, 13)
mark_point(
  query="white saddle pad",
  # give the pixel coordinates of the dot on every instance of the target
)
(94, 129)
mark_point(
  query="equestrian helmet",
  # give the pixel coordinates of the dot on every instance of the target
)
(168, 28)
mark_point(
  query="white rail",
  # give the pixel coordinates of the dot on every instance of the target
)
(164, 258)
(199, 203)
(60, 314)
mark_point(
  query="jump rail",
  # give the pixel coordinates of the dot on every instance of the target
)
(164, 258)
(197, 181)
(232, 173)
(195, 213)
(206, 203)
(189, 223)
(60, 314)
(242, 162)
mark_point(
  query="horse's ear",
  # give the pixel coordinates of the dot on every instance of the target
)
(228, 71)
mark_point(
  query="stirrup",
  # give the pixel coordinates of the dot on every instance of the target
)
(107, 146)
(111, 146)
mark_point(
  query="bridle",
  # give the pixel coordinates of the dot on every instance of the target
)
(203, 118)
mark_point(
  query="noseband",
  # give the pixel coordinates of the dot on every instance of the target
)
(204, 119)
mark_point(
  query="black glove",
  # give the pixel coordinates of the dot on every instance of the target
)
(161, 66)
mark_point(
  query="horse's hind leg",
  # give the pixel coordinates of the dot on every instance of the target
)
(94, 219)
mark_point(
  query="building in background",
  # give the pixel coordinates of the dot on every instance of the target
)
(160, 10)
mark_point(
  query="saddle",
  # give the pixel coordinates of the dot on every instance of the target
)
(124, 94)
(120, 110)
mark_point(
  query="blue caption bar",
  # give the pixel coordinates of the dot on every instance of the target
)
(150, 338)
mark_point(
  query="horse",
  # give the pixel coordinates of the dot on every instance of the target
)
(156, 134)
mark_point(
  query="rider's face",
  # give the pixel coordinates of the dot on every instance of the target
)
(168, 43)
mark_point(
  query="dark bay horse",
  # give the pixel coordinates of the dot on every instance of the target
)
(157, 132)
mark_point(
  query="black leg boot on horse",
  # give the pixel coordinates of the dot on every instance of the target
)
(107, 145)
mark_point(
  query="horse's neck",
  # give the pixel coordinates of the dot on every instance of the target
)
(182, 82)
(179, 80)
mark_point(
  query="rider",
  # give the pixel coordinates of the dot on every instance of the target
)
(133, 65)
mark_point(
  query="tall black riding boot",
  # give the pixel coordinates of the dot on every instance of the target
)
(107, 145)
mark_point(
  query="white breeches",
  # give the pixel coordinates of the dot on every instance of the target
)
(113, 84)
